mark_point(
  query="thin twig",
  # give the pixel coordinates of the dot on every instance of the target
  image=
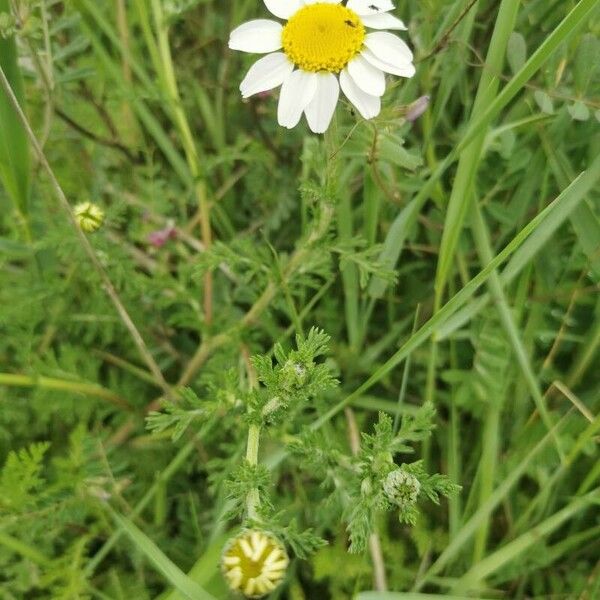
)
(94, 137)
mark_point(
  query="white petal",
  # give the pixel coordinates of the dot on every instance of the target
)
(389, 48)
(283, 9)
(403, 70)
(370, 7)
(296, 93)
(260, 35)
(321, 108)
(267, 73)
(368, 78)
(368, 106)
(321, 1)
(383, 21)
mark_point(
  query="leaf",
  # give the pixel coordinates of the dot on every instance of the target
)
(205, 568)
(391, 149)
(579, 111)
(392, 247)
(516, 51)
(544, 102)
(176, 577)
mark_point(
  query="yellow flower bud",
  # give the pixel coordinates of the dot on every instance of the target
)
(89, 216)
(254, 563)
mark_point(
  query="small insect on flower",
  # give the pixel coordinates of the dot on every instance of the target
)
(89, 216)
(401, 488)
(254, 563)
(323, 46)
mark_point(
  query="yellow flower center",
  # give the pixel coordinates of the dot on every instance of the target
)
(323, 37)
(254, 563)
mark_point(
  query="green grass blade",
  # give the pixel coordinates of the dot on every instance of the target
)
(462, 190)
(205, 569)
(566, 28)
(452, 306)
(482, 243)
(14, 147)
(495, 561)
(470, 528)
(172, 573)
(409, 596)
(570, 199)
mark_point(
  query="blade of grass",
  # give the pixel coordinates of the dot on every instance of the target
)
(564, 30)
(409, 596)
(14, 148)
(482, 243)
(470, 528)
(206, 567)
(172, 573)
(505, 555)
(145, 115)
(470, 159)
(578, 191)
(454, 304)
(77, 387)
(177, 463)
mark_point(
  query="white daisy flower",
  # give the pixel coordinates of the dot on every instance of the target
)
(323, 46)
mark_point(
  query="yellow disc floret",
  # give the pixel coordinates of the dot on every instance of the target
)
(254, 563)
(323, 37)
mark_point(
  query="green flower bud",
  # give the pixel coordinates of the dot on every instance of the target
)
(254, 563)
(366, 487)
(401, 488)
(294, 374)
(89, 216)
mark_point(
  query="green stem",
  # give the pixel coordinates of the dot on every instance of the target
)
(253, 499)
(49, 383)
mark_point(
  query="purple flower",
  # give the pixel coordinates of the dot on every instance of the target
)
(160, 237)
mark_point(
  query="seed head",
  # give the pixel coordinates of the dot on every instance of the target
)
(254, 563)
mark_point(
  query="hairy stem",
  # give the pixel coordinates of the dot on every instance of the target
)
(252, 500)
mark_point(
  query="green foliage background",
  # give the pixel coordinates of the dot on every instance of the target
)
(452, 261)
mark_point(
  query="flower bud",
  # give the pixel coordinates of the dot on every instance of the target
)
(272, 406)
(294, 374)
(254, 563)
(89, 216)
(401, 488)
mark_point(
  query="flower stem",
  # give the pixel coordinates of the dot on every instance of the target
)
(253, 499)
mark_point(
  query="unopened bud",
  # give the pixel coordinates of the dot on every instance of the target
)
(89, 216)
(401, 488)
